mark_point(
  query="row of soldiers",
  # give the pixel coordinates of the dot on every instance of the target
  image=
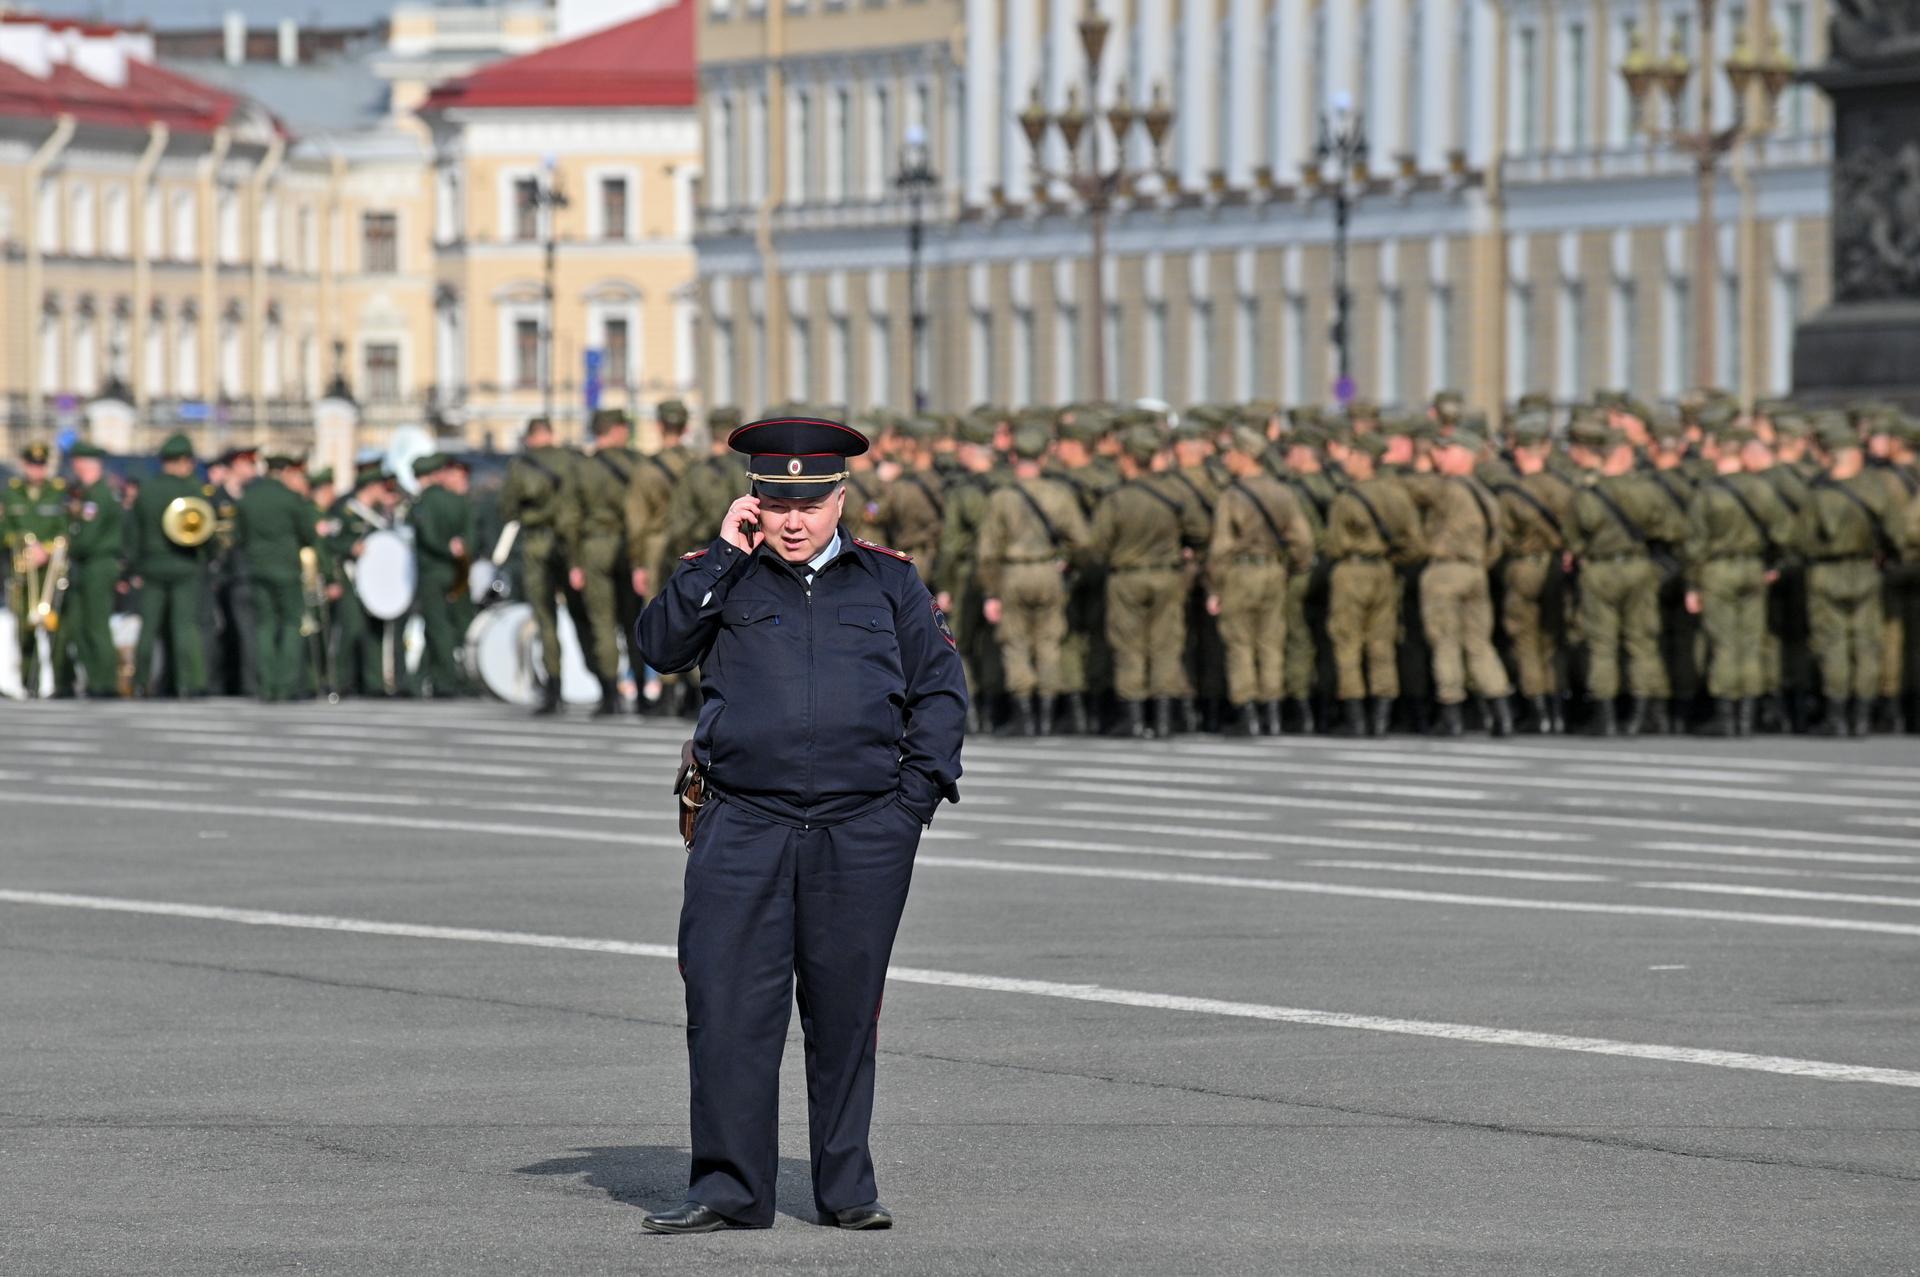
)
(253, 567)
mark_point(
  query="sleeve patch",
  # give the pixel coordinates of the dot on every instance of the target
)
(881, 549)
(940, 623)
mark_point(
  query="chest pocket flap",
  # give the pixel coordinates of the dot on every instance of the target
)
(751, 611)
(868, 616)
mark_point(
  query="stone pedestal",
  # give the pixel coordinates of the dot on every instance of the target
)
(1867, 343)
(336, 430)
(112, 424)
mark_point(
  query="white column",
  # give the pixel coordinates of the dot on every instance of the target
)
(1343, 51)
(1292, 143)
(1482, 144)
(1439, 82)
(1247, 19)
(1156, 32)
(1388, 92)
(1195, 122)
(983, 101)
(1016, 169)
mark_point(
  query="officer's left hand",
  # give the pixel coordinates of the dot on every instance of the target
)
(577, 578)
(457, 547)
(641, 579)
(1693, 602)
(1213, 605)
(991, 610)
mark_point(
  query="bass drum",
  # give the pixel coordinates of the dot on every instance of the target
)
(10, 685)
(126, 642)
(503, 651)
(386, 575)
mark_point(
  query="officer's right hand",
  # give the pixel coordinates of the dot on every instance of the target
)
(943, 601)
(1213, 605)
(1693, 602)
(577, 578)
(991, 610)
(744, 510)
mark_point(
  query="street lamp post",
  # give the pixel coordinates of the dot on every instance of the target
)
(1093, 185)
(916, 181)
(549, 198)
(1343, 140)
(1761, 74)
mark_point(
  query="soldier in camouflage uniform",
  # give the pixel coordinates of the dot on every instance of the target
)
(538, 493)
(1847, 534)
(94, 541)
(1671, 464)
(33, 514)
(1465, 538)
(601, 572)
(1086, 662)
(1261, 540)
(912, 509)
(649, 498)
(1032, 534)
(1373, 531)
(1890, 462)
(956, 571)
(1537, 507)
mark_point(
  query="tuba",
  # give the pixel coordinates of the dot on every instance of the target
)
(188, 522)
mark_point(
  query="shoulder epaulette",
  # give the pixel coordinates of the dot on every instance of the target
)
(206, 489)
(881, 549)
(60, 485)
(16, 482)
(692, 554)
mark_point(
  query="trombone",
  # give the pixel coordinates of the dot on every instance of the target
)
(316, 627)
(41, 589)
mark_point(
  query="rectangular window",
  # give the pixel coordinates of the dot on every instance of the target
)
(1786, 312)
(879, 361)
(379, 243)
(1796, 48)
(879, 143)
(1246, 350)
(1579, 88)
(1624, 363)
(80, 215)
(1570, 334)
(1023, 357)
(526, 208)
(1520, 344)
(526, 354)
(1296, 388)
(1200, 351)
(186, 237)
(1392, 342)
(1726, 342)
(799, 359)
(1416, 101)
(839, 358)
(799, 148)
(1528, 57)
(980, 364)
(725, 370)
(616, 359)
(383, 372)
(613, 208)
(1226, 125)
(1066, 354)
(1273, 110)
(840, 148)
(1440, 344)
(1683, 36)
(1620, 115)
(1156, 361)
(1463, 77)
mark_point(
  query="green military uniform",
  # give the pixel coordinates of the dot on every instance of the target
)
(234, 652)
(1899, 591)
(1737, 530)
(1307, 591)
(1086, 659)
(358, 662)
(912, 512)
(1846, 534)
(1372, 530)
(272, 523)
(602, 482)
(707, 489)
(1465, 538)
(538, 493)
(1141, 531)
(32, 513)
(173, 580)
(1200, 485)
(655, 479)
(1261, 540)
(317, 629)
(1032, 531)
(440, 517)
(957, 575)
(94, 537)
(1616, 522)
(1536, 510)
(1790, 661)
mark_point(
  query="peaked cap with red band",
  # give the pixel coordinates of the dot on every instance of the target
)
(796, 457)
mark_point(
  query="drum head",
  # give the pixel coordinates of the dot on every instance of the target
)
(498, 644)
(385, 575)
(480, 579)
(10, 684)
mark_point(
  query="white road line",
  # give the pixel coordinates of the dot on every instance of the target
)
(1173, 877)
(1784, 893)
(1685, 866)
(1385, 866)
(1786, 1066)
(1903, 822)
(1782, 853)
(1119, 849)
(1472, 831)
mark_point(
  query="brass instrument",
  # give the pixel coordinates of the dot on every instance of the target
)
(315, 627)
(188, 522)
(53, 588)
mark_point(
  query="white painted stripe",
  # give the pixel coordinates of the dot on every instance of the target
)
(1384, 866)
(1472, 831)
(1120, 849)
(1419, 897)
(1686, 866)
(1788, 1066)
(1902, 822)
(1783, 853)
(1785, 893)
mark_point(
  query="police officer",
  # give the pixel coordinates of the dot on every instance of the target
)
(831, 730)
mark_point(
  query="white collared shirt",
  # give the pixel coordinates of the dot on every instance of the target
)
(823, 558)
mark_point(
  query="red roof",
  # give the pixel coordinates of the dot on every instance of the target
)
(150, 95)
(645, 62)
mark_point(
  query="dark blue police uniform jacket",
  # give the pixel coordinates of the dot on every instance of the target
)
(820, 701)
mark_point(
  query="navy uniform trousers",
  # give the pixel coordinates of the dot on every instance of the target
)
(773, 911)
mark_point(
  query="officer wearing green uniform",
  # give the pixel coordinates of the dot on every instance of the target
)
(1465, 538)
(172, 578)
(442, 534)
(1261, 540)
(1618, 516)
(538, 494)
(1738, 530)
(272, 523)
(1373, 532)
(1032, 533)
(600, 569)
(94, 536)
(1845, 530)
(1145, 531)
(33, 515)
(1536, 507)
(957, 565)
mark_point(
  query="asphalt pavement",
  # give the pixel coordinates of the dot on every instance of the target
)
(388, 988)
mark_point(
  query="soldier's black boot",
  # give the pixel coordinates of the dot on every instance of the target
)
(1163, 717)
(1043, 716)
(1721, 722)
(1557, 711)
(1768, 714)
(1834, 721)
(1244, 720)
(1077, 722)
(1274, 719)
(1743, 716)
(1133, 719)
(1303, 715)
(1023, 718)
(1382, 715)
(1189, 715)
(1542, 724)
(1353, 719)
(549, 698)
(1500, 723)
(609, 699)
(1862, 717)
(1450, 723)
(1604, 723)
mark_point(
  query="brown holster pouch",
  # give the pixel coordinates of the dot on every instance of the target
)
(690, 793)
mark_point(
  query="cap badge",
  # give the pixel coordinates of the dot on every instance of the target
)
(793, 466)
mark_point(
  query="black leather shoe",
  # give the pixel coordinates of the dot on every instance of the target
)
(549, 699)
(688, 1217)
(872, 1215)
